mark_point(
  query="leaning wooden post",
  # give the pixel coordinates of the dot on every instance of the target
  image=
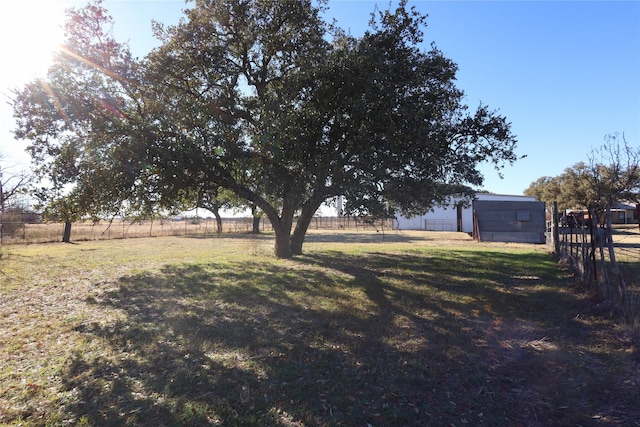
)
(622, 286)
(554, 229)
(66, 235)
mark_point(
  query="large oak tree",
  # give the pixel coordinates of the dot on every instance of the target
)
(265, 99)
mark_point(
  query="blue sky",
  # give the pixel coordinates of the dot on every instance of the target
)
(564, 73)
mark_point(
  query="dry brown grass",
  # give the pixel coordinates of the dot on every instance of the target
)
(394, 328)
(120, 229)
(127, 229)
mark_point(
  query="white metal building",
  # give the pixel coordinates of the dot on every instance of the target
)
(452, 217)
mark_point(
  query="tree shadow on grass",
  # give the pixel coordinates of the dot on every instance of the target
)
(330, 339)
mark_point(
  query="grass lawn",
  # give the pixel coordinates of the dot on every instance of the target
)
(364, 329)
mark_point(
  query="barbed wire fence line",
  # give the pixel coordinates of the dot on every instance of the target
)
(18, 232)
(607, 261)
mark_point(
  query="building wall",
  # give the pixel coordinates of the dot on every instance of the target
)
(445, 218)
(510, 221)
(624, 213)
(440, 219)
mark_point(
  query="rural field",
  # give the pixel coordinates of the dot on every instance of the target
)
(365, 329)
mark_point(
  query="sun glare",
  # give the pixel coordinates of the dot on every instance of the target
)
(30, 31)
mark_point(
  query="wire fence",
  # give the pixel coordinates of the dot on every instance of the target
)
(628, 255)
(579, 244)
(441, 225)
(20, 232)
(613, 270)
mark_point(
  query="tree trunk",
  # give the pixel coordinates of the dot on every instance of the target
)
(301, 230)
(282, 227)
(218, 221)
(256, 220)
(283, 245)
(296, 242)
(66, 236)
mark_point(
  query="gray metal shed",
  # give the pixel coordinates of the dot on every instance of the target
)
(509, 221)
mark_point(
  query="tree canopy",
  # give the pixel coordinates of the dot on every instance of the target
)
(611, 175)
(12, 185)
(265, 99)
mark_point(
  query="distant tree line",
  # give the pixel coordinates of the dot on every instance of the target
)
(610, 176)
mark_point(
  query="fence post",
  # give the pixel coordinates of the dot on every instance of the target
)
(554, 229)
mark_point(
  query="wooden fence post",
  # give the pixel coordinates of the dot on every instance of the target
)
(554, 230)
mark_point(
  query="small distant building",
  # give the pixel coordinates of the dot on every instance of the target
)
(625, 213)
(621, 213)
(491, 217)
